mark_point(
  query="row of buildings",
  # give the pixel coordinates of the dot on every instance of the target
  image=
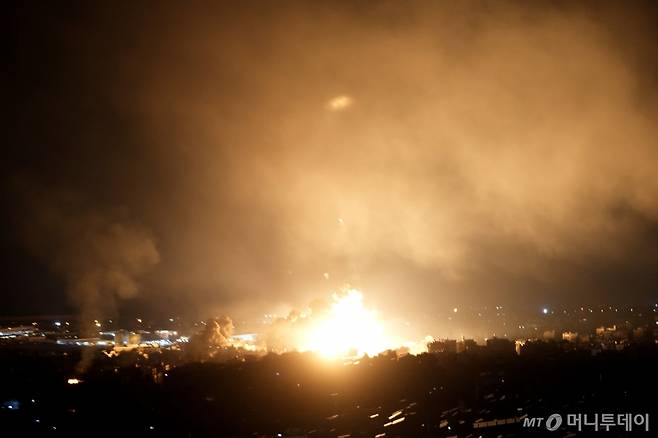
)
(603, 338)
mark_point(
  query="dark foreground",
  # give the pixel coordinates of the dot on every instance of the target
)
(299, 395)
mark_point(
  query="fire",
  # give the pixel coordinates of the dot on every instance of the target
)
(347, 329)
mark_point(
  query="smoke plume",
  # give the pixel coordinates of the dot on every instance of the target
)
(218, 332)
(483, 151)
(99, 252)
(432, 154)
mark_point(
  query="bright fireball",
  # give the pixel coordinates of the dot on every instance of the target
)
(347, 329)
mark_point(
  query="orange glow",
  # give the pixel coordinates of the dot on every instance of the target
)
(339, 103)
(348, 329)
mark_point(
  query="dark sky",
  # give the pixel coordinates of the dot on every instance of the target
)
(224, 158)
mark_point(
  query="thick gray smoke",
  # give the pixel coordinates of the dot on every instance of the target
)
(214, 341)
(218, 332)
(99, 252)
(286, 333)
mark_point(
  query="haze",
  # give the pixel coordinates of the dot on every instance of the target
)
(226, 159)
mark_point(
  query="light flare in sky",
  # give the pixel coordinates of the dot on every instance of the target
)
(339, 103)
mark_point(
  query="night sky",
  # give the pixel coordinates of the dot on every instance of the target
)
(199, 157)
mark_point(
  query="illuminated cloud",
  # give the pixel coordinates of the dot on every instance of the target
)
(503, 153)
